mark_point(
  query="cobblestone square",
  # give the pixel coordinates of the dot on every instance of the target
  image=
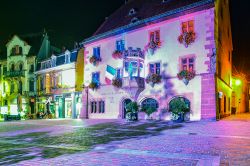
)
(116, 142)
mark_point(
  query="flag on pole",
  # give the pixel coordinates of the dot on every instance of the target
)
(110, 74)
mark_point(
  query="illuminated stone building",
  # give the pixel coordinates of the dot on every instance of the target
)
(145, 49)
(240, 93)
(17, 78)
(59, 84)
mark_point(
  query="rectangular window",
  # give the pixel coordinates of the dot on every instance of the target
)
(31, 68)
(155, 68)
(126, 64)
(188, 26)
(187, 64)
(101, 106)
(31, 86)
(118, 73)
(120, 45)
(96, 77)
(97, 52)
(154, 36)
(4, 70)
(93, 107)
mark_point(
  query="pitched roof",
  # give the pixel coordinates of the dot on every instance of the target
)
(145, 10)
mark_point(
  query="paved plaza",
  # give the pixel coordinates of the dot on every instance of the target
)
(116, 142)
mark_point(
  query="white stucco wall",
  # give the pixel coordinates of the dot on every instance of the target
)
(168, 55)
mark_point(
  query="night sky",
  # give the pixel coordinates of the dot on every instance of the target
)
(73, 20)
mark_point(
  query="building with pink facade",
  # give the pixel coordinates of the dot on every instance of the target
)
(154, 51)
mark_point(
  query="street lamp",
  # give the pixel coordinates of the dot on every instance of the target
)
(87, 102)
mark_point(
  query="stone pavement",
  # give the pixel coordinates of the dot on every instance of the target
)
(226, 142)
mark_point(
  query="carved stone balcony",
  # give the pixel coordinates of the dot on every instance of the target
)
(134, 86)
(133, 53)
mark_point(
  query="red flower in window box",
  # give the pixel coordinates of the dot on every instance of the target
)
(93, 85)
(152, 46)
(187, 38)
(117, 82)
(94, 60)
(153, 79)
(117, 54)
(186, 76)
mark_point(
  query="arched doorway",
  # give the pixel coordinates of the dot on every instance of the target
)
(173, 104)
(124, 103)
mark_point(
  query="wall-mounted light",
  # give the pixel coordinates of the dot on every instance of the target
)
(238, 82)
(220, 95)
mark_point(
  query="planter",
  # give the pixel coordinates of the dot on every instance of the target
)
(185, 81)
(180, 119)
(131, 116)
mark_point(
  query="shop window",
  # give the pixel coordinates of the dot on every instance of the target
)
(154, 68)
(187, 63)
(188, 26)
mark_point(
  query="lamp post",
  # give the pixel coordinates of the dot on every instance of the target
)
(87, 102)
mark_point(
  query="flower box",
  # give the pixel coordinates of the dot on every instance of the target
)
(187, 38)
(117, 82)
(186, 76)
(93, 85)
(94, 60)
(117, 54)
(152, 46)
(153, 79)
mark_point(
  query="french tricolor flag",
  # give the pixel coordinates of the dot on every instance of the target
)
(110, 74)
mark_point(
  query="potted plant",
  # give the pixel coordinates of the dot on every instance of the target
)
(132, 111)
(152, 46)
(187, 38)
(153, 79)
(178, 108)
(186, 76)
(117, 82)
(149, 111)
(93, 85)
(95, 60)
(117, 54)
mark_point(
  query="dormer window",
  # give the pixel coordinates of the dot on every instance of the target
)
(132, 12)
(134, 20)
(17, 50)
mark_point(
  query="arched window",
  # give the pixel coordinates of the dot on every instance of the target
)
(12, 67)
(20, 67)
(147, 103)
